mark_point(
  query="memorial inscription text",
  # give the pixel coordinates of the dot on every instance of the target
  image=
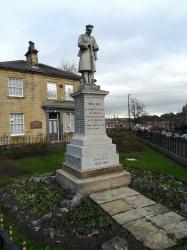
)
(94, 115)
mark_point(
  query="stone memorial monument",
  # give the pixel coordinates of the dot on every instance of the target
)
(91, 162)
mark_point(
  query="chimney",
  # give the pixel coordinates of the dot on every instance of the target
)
(31, 55)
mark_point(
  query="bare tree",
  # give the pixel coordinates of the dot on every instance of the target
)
(137, 108)
(67, 66)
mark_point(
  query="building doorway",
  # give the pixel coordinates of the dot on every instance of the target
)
(54, 126)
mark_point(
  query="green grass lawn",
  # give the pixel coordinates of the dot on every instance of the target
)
(184, 247)
(36, 164)
(148, 159)
(41, 164)
(151, 160)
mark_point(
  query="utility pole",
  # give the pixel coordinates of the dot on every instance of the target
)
(129, 111)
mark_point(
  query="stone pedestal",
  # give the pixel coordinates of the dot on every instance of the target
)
(91, 162)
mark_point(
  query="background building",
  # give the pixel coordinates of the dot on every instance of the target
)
(35, 98)
(116, 122)
(184, 116)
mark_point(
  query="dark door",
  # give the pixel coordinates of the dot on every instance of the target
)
(53, 126)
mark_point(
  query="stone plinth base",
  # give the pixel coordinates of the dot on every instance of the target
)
(97, 183)
(93, 172)
(91, 161)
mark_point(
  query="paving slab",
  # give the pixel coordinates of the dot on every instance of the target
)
(156, 209)
(112, 194)
(153, 224)
(149, 234)
(177, 231)
(130, 215)
(166, 219)
(139, 201)
(115, 207)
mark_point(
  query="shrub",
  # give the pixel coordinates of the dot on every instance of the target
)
(23, 149)
(125, 141)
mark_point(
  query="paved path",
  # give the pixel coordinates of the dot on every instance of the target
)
(149, 222)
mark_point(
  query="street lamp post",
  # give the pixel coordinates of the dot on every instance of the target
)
(129, 111)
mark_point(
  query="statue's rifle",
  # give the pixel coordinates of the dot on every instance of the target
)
(92, 58)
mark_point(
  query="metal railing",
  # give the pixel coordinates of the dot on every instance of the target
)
(17, 140)
(174, 145)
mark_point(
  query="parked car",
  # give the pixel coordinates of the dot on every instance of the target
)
(169, 134)
(177, 135)
(184, 136)
(163, 132)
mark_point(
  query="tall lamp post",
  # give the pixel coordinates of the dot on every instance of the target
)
(129, 111)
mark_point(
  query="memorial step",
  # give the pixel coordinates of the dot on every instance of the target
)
(92, 184)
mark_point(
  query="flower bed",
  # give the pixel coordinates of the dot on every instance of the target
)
(36, 196)
(161, 188)
(54, 217)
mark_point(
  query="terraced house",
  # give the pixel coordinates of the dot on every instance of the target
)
(35, 98)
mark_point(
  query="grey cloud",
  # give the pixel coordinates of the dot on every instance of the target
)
(142, 44)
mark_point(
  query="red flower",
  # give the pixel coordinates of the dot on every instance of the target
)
(25, 190)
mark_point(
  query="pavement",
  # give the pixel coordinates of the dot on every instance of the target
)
(151, 223)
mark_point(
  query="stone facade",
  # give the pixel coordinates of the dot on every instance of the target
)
(34, 104)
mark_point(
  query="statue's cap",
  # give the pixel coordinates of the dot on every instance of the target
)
(89, 25)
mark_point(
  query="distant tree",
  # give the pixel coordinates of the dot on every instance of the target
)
(149, 118)
(137, 109)
(70, 67)
(168, 116)
(155, 118)
(173, 119)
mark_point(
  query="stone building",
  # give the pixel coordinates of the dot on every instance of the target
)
(35, 98)
(116, 122)
(184, 116)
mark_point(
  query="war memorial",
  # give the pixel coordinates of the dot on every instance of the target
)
(91, 162)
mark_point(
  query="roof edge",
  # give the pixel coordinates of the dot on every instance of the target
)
(72, 75)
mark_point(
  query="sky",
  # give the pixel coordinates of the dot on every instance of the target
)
(142, 45)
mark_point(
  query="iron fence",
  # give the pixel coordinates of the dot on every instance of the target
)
(174, 145)
(18, 140)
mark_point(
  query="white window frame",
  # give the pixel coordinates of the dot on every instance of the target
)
(70, 127)
(12, 122)
(52, 84)
(12, 82)
(67, 93)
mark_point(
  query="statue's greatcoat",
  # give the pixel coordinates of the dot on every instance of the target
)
(87, 54)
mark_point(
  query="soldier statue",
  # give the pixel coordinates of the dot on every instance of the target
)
(88, 55)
